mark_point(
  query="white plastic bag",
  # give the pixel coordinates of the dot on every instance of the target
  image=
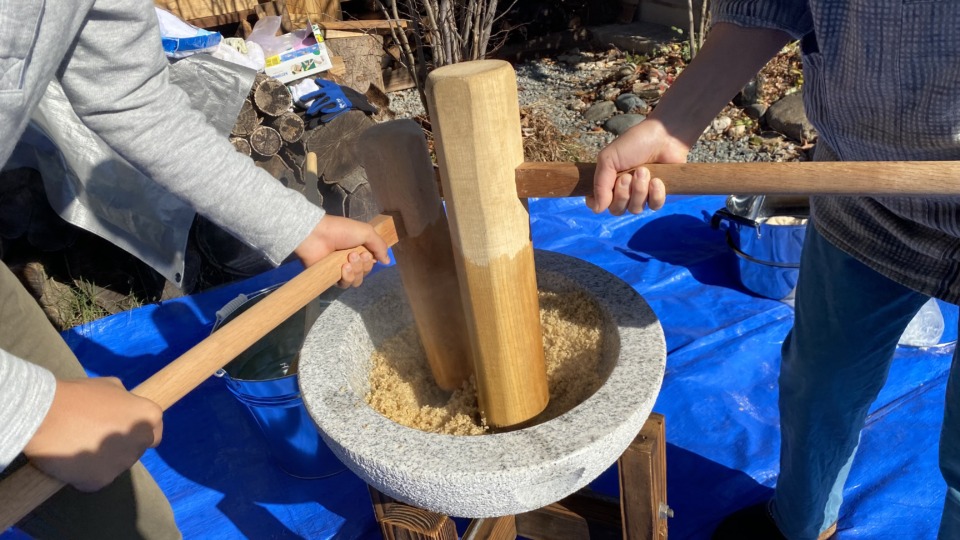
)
(926, 328)
(253, 58)
(264, 33)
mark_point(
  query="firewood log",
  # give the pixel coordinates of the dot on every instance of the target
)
(242, 145)
(246, 120)
(257, 81)
(289, 126)
(265, 141)
(272, 98)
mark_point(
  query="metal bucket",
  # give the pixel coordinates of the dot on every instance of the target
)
(264, 379)
(768, 252)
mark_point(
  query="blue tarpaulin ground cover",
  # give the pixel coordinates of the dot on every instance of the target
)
(719, 396)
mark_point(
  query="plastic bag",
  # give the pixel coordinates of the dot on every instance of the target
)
(253, 57)
(926, 327)
(180, 39)
(264, 33)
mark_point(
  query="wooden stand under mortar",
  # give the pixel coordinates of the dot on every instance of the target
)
(640, 514)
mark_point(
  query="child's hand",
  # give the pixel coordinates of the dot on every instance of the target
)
(335, 232)
(352, 272)
(94, 431)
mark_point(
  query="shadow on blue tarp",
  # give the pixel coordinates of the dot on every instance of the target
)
(719, 396)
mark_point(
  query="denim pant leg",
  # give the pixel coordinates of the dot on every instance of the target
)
(849, 319)
(950, 454)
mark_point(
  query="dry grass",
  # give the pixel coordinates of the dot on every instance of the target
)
(543, 141)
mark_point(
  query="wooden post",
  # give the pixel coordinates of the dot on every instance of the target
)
(643, 483)
(399, 170)
(476, 122)
(497, 528)
(399, 521)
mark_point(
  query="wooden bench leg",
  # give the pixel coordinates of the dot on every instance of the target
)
(399, 521)
(642, 512)
(553, 522)
(643, 484)
(498, 528)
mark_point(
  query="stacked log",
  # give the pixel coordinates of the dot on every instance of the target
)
(268, 130)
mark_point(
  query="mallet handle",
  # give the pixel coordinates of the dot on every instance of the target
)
(911, 178)
(28, 487)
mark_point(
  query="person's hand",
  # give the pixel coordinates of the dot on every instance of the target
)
(352, 272)
(94, 431)
(620, 183)
(335, 232)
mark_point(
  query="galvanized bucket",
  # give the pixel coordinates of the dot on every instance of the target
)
(768, 252)
(264, 379)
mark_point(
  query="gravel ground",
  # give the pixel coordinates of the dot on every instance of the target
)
(554, 88)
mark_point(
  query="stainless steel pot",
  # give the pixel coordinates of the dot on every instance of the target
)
(768, 252)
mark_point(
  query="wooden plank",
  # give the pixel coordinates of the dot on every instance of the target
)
(405, 522)
(553, 522)
(378, 26)
(476, 123)
(869, 178)
(643, 483)
(202, 9)
(381, 503)
(397, 79)
(602, 513)
(317, 11)
(498, 528)
(212, 21)
(339, 66)
(341, 34)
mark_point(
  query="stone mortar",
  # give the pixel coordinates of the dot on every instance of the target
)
(486, 475)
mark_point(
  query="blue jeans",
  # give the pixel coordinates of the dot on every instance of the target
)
(849, 319)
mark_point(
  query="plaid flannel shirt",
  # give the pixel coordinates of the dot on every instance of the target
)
(881, 83)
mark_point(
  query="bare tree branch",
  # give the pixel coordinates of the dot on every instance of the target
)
(704, 22)
(488, 19)
(446, 32)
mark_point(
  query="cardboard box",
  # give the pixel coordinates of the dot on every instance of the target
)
(309, 58)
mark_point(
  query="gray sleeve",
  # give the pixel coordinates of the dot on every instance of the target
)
(790, 16)
(27, 391)
(115, 76)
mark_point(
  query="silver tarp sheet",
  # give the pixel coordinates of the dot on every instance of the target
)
(92, 187)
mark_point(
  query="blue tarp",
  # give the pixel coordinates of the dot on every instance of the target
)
(719, 396)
